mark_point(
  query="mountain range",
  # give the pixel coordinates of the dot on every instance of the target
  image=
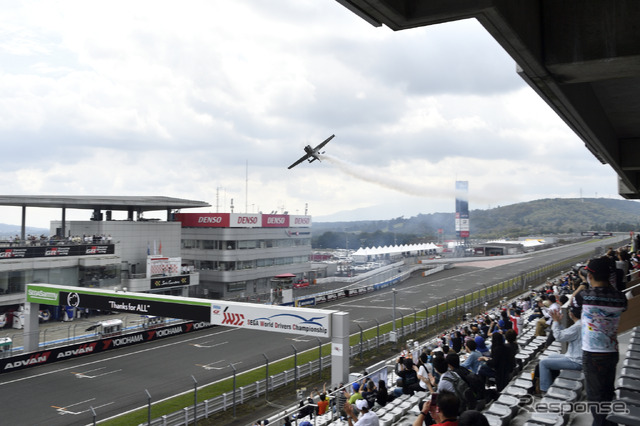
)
(546, 216)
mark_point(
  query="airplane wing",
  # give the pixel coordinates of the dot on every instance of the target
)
(304, 157)
(326, 141)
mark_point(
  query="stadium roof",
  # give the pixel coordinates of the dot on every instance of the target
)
(93, 202)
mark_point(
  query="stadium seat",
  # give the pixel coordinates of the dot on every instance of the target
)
(573, 385)
(632, 418)
(628, 396)
(627, 383)
(514, 391)
(546, 419)
(572, 375)
(631, 373)
(493, 419)
(510, 401)
(561, 394)
(503, 412)
(633, 363)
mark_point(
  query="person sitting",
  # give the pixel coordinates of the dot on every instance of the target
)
(572, 359)
(471, 363)
(367, 417)
(407, 371)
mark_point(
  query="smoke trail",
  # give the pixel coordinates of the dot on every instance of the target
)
(372, 175)
(368, 174)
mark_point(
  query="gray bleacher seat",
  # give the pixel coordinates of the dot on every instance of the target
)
(629, 362)
(510, 401)
(493, 419)
(627, 396)
(632, 354)
(547, 419)
(515, 391)
(632, 373)
(501, 411)
(632, 418)
(574, 385)
(387, 419)
(523, 383)
(627, 383)
(572, 374)
(567, 395)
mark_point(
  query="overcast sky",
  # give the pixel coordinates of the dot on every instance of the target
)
(176, 98)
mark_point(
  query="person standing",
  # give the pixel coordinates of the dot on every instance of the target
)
(602, 305)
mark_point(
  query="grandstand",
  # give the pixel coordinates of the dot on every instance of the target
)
(518, 403)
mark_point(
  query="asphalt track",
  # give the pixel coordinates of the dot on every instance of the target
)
(115, 381)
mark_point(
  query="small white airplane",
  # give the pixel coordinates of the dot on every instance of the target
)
(312, 154)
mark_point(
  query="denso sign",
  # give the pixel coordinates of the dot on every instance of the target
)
(203, 220)
(245, 220)
(275, 221)
(296, 221)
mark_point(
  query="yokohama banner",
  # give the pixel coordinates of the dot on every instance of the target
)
(73, 351)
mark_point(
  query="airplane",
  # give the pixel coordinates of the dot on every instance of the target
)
(312, 154)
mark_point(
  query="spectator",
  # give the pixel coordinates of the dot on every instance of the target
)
(602, 305)
(407, 371)
(324, 402)
(448, 404)
(423, 371)
(444, 385)
(367, 417)
(472, 418)
(471, 363)
(383, 394)
(481, 346)
(456, 341)
(499, 364)
(356, 395)
(572, 359)
(370, 393)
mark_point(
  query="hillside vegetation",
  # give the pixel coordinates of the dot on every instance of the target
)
(547, 216)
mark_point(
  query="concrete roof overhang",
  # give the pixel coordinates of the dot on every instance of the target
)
(581, 57)
(138, 204)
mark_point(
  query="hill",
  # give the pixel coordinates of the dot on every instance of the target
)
(547, 216)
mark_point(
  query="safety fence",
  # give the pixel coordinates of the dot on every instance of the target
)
(431, 318)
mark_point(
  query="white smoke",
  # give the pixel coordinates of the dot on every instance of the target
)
(386, 180)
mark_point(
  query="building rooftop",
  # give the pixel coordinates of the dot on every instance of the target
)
(97, 202)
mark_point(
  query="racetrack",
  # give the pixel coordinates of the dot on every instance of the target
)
(115, 381)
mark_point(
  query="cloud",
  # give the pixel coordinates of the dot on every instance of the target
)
(155, 98)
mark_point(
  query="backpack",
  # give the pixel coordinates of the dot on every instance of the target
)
(462, 391)
(474, 381)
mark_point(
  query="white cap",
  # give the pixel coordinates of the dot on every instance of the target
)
(361, 404)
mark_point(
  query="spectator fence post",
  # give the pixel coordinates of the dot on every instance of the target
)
(234, 389)
(361, 350)
(415, 324)
(148, 407)
(195, 401)
(266, 378)
(93, 413)
(295, 367)
(377, 334)
(319, 357)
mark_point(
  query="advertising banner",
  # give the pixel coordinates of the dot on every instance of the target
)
(305, 321)
(296, 221)
(176, 281)
(73, 351)
(203, 220)
(275, 221)
(139, 303)
(245, 220)
(55, 251)
(136, 305)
